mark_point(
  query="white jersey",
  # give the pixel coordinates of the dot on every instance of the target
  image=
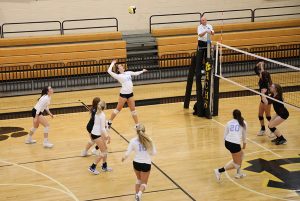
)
(234, 132)
(42, 104)
(141, 154)
(125, 79)
(202, 29)
(99, 124)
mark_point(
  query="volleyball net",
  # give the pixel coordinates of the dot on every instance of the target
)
(235, 76)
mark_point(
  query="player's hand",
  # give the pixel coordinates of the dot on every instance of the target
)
(145, 70)
(264, 90)
(114, 61)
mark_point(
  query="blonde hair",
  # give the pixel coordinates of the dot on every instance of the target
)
(144, 139)
(101, 106)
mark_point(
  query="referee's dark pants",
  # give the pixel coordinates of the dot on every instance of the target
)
(202, 52)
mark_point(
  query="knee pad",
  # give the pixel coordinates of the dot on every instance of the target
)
(145, 185)
(236, 166)
(268, 118)
(138, 181)
(116, 111)
(134, 113)
(33, 129)
(46, 129)
(272, 129)
(260, 118)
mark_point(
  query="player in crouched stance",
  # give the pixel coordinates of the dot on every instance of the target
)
(235, 131)
(144, 148)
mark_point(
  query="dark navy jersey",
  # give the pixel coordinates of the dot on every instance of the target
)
(90, 124)
(279, 108)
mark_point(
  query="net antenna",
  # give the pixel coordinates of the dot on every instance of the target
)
(240, 70)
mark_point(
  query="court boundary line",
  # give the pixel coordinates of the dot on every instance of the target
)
(160, 170)
(45, 175)
(37, 185)
(131, 194)
(54, 159)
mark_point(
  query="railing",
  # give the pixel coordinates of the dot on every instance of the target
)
(249, 11)
(60, 26)
(252, 15)
(173, 22)
(274, 8)
(58, 29)
(116, 25)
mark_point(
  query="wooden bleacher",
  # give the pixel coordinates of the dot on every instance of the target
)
(54, 56)
(60, 39)
(255, 34)
(247, 26)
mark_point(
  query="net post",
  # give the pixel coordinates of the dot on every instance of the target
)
(200, 100)
(189, 83)
(216, 81)
(208, 81)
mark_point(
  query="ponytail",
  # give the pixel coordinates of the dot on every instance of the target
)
(238, 116)
(144, 139)
(44, 91)
(95, 102)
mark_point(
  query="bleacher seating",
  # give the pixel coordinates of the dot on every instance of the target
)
(48, 56)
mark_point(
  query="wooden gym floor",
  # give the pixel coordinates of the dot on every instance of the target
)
(189, 148)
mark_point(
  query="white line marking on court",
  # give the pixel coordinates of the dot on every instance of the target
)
(261, 146)
(253, 191)
(40, 173)
(37, 185)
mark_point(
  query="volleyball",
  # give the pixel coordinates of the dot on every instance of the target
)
(131, 9)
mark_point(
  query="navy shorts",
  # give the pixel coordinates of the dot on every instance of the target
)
(233, 147)
(94, 137)
(33, 113)
(127, 96)
(141, 167)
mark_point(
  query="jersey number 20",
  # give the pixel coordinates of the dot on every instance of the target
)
(234, 128)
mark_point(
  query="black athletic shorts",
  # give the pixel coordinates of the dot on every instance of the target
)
(141, 167)
(127, 96)
(232, 147)
(33, 113)
(284, 114)
(94, 137)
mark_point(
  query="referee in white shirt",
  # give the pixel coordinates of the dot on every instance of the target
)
(203, 30)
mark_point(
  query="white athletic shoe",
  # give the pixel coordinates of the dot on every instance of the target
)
(217, 174)
(137, 197)
(84, 153)
(94, 171)
(261, 133)
(47, 144)
(95, 152)
(271, 135)
(30, 141)
(107, 169)
(239, 176)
